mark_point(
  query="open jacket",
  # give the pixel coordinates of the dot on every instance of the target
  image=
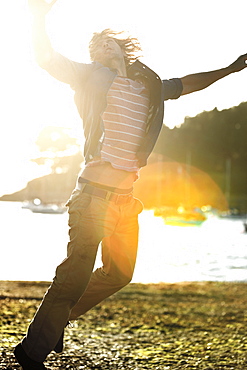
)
(91, 83)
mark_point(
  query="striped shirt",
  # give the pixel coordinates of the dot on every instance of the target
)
(124, 121)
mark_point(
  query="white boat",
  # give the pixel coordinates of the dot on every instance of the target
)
(38, 207)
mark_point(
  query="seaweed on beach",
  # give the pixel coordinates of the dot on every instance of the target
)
(161, 327)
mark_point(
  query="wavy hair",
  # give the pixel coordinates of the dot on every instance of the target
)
(130, 45)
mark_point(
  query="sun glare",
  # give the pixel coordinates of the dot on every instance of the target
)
(176, 185)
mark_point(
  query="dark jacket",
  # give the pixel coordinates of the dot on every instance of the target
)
(91, 83)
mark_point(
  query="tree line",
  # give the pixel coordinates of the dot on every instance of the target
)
(215, 142)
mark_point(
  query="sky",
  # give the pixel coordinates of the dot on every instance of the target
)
(178, 38)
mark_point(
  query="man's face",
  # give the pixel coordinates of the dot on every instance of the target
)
(107, 51)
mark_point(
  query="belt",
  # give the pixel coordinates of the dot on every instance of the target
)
(106, 194)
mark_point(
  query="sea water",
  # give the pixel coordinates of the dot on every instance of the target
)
(33, 244)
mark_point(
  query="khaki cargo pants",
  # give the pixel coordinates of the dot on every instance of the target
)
(76, 288)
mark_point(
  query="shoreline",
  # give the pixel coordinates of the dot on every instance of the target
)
(26, 289)
(18, 289)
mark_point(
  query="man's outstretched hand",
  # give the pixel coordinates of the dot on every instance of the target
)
(239, 64)
(40, 7)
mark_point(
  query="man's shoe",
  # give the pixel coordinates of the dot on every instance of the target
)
(26, 362)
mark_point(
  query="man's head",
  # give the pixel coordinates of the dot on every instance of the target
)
(108, 44)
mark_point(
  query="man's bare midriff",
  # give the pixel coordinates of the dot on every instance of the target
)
(105, 174)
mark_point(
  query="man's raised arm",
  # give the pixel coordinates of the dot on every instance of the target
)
(200, 81)
(41, 42)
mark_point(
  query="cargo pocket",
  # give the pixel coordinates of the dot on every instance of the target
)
(80, 223)
(78, 205)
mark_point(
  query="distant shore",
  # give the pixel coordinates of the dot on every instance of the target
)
(199, 325)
